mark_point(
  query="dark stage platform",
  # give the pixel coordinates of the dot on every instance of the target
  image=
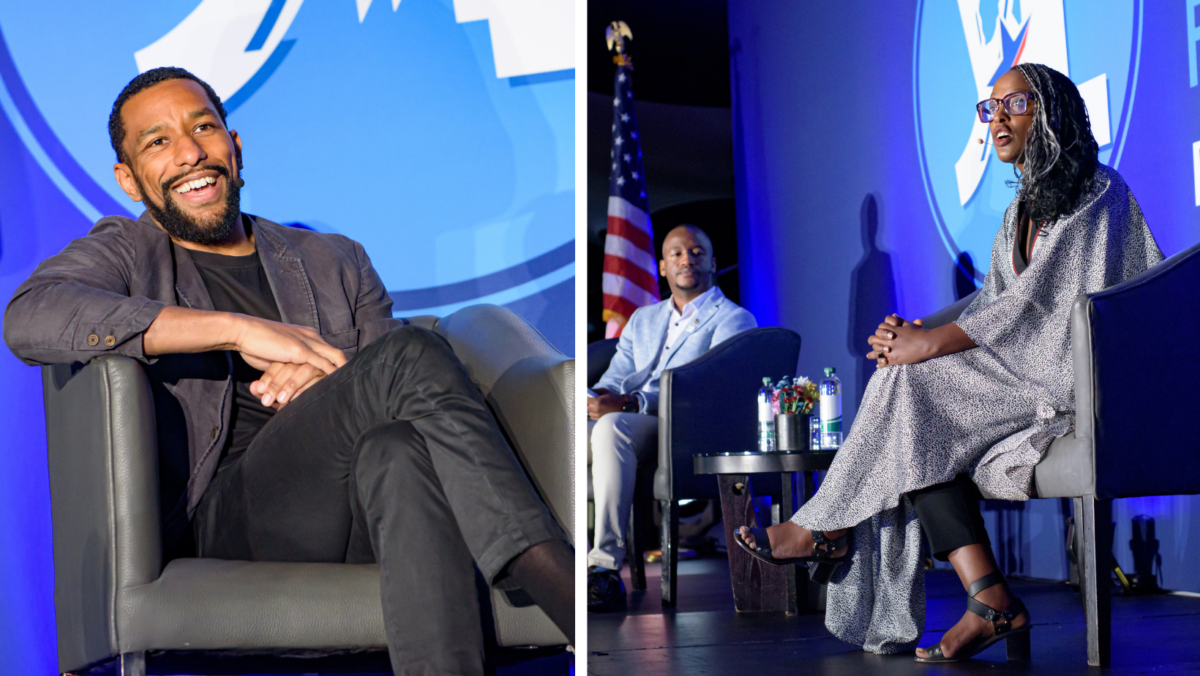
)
(703, 635)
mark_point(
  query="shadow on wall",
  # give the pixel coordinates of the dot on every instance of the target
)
(872, 294)
(964, 276)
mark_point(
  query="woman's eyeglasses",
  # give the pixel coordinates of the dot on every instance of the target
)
(1015, 103)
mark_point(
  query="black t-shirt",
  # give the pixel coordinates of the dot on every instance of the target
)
(239, 284)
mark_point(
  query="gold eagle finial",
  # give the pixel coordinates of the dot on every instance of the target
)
(616, 34)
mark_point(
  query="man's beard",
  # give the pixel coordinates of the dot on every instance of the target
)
(182, 226)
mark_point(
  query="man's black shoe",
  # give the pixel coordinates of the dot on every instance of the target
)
(606, 591)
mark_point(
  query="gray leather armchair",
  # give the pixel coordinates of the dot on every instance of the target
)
(114, 598)
(707, 405)
(1135, 381)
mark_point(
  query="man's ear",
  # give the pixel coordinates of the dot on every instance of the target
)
(714, 264)
(237, 148)
(662, 267)
(127, 182)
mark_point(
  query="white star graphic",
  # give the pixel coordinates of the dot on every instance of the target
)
(617, 101)
(624, 117)
(614, 166)
(628, 157)
(620, 180)
(619, 141)
(614, 127)
(635, 175)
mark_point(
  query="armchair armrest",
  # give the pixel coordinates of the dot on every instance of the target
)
(708, 405)
(599, 356)
(530, 387)
(1136, 377)
(103, 460)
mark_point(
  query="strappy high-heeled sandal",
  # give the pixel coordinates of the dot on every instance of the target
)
(1017, 639)
(821, 565)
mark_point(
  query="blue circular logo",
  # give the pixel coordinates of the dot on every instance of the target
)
(439, 133)
(960, 51)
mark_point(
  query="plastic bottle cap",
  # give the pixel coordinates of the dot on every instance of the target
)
(828, 370)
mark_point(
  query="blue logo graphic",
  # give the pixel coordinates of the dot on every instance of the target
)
(960, 52)
(439, 133)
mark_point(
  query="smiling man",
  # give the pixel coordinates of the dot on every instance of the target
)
(316, 426)
(623, 425)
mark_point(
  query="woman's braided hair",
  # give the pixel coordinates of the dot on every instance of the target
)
(1060, 154)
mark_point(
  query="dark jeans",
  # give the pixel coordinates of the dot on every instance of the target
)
(393, 458)
(949, 514)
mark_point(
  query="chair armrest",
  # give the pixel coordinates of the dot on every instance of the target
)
(949, 313)
(599, 356)
(103, 460)
(709, 405)
(1136, 377)
(530, 388)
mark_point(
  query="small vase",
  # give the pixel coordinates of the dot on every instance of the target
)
(792, 431)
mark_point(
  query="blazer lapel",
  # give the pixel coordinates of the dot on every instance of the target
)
(286, 274)
(655, 334)
(189, 285)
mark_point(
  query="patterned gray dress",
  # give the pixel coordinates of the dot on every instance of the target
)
(991, 411)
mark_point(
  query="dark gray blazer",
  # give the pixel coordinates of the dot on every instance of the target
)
(102, 292)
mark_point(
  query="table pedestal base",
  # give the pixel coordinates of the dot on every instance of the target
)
(759, 586)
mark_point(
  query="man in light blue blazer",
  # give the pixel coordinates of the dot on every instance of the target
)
(623, 425)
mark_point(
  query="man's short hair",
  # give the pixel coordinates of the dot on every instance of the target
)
(116, 127)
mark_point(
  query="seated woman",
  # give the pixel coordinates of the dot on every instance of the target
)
(972, 403)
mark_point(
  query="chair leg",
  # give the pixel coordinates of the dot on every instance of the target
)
(132, 664)
(1094, 573)
(670, 551)
(636, 551)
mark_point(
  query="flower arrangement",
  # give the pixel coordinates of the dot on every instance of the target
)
(798, 397)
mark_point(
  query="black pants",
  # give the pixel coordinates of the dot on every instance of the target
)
(949, 514)
(394, 458)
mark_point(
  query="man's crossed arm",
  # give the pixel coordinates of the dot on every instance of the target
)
(292, 358)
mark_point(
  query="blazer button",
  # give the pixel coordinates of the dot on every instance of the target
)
(93, 339)
(109, 341)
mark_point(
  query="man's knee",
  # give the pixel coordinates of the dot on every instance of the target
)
(411, 342)
(603, 434)
(410, 336)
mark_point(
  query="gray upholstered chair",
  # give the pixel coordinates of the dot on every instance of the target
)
(706, 405)
(1136, 375)
(115, 600)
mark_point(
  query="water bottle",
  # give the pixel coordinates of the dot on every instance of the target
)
(766, 419)
(831, 411)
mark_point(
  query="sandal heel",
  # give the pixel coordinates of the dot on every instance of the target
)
(822, 572)
(1017, 646)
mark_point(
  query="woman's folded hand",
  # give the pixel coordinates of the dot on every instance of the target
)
(898, 341)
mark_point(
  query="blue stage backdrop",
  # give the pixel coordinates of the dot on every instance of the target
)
(862, 188)
(439, 133)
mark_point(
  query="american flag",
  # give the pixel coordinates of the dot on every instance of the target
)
(630, 269)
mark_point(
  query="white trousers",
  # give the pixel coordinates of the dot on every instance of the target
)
(616, 442)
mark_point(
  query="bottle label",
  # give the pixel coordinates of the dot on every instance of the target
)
(765, 412)
(831, 413)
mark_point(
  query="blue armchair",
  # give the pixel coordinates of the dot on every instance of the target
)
(1128, 441)
(706, 405)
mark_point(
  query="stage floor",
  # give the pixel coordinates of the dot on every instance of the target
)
(704, 635)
